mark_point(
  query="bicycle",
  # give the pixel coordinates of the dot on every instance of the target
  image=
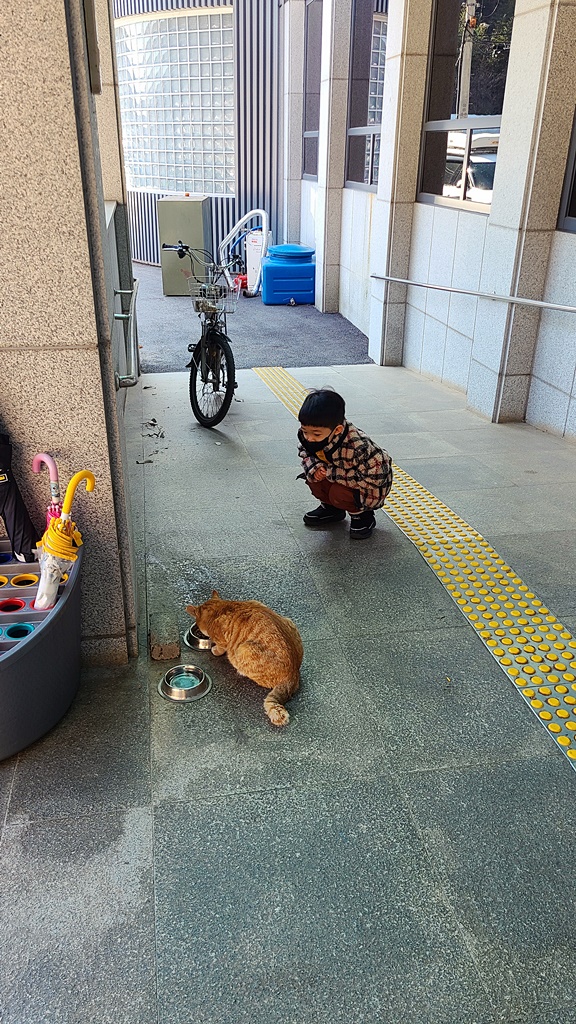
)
(212, 369)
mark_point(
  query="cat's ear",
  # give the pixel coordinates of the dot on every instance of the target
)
(192, 610)
(215, 593)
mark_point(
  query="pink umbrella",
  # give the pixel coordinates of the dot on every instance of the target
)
(54, 509)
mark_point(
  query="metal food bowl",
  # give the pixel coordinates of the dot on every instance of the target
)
(184, 683)
(197, 640)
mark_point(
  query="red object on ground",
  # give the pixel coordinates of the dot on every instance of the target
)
(241, 280)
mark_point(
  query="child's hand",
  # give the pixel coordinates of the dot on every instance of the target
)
(320, 473)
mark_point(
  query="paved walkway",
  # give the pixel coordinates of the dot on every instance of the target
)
(261, 335)
(403, 851)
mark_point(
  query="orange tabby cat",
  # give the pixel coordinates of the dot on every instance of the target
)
(260, 644)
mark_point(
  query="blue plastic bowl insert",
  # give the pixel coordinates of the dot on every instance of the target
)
(19, 631)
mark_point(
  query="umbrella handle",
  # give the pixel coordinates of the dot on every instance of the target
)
(86, 475)
(48, 461)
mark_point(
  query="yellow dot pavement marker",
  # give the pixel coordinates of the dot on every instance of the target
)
(536, 652)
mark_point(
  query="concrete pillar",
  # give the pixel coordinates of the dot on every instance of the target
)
(402, 111)
(535, 137)
(336, 17)
(293, 13)
(55, 337)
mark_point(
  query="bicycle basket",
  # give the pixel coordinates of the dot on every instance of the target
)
(211, 298)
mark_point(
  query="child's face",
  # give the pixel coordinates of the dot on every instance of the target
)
(316, 434)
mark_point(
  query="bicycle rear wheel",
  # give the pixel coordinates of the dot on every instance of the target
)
(212, 385)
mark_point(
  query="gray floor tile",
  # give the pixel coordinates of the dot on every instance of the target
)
(315, 906)
(380, 586)
(97, 758)
(288, 493)
(570, 622)
(282, 582)
(500, 438)
(500, 510)
(528, 467)
(225, 744)
(169, 544)
(565, 1015)
(271, 455)
(449, 419)
(194, 451)
(395, 687)
(386, 542)
(245, 529)
(445, 700)
(76, 914)
(503, 842)
(546, 563)
(383, 384)
(267, 422)
(453, 473)
(196, 492)
(403, 446)
(386, 422)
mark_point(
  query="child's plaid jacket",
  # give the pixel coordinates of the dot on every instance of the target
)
(355, 461)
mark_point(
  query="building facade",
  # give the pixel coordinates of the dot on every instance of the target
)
(353, 124)
(505, 227)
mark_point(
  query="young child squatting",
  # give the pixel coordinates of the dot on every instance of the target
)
(343, 467)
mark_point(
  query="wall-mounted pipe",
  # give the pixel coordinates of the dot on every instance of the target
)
(128, 380)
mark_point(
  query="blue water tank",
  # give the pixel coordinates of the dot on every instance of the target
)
(288, 275)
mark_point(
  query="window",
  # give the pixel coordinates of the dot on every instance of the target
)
(466, 81)
(367, 64)
(313, 35)
(176, 88)
(567, 215)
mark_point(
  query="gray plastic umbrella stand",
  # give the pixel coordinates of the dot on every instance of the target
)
(39, 653)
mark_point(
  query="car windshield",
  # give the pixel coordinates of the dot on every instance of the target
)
(482, 173)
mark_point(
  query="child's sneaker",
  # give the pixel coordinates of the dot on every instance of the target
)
(362, 524)
(324, 514)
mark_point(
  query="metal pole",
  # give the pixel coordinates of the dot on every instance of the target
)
(466, 62)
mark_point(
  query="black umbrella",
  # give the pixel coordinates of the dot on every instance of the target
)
(23, 536)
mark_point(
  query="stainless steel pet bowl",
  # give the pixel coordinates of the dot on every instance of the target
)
(184, 683)
(196, 640)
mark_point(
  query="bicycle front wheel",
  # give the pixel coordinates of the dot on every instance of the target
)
(212, 379)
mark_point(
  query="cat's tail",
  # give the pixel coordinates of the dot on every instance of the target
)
(276, 699)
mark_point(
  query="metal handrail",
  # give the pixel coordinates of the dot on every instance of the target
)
(515, 300)
(129, 379)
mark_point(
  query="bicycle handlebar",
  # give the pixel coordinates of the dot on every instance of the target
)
(181, 249)
(196, 254)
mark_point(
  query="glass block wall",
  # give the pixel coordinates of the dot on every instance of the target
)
(377, 68)
(376, 88)
(176, 86)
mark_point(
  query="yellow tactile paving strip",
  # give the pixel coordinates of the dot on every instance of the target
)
(531, 646)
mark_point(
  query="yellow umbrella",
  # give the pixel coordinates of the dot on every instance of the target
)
(62, 539)
(58, 549)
